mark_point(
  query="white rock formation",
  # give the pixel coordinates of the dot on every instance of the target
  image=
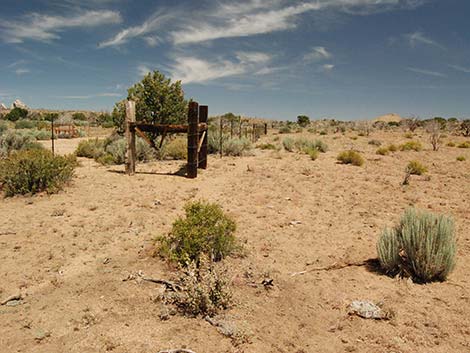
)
(18, 104)
(3, 106)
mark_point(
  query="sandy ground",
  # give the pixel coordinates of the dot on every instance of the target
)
(69, 253)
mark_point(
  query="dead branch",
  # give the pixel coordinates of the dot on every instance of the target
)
(177, 351)
(10, 298)
(335, 266)
(7, 232)
(169, 285)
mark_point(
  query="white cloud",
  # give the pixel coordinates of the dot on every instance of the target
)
(196, 70)
(148, 27)
(327, 67)
(418, 37)
(143, 70)
(22, 71)
(426, 72)
(106, 94)
(46, 28)
(317, 54)
(460, 68)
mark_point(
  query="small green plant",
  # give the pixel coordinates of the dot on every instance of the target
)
(323, 133)
(289, 144)
(461, 158)
(411, 146)
(267, 146)
(25, 124)
(409, 135)
(93, 148)
(285, 129)
(237, 147)
(450, 144)
(422, 246)
(416, 168)
(205, 230)
(12, 140)
(465, 144)
(383, 151)
(176, 149)
(33, 171)
(392, 148)
(312, 152)
(350, 157)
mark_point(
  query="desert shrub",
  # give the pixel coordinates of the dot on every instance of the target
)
(176, 149)
(289, 144)
(285, 129)
(416, 168)
(236, 146)
(303, 120)
(461, 158)
(13, 141)
(204, 290)
(392, 148)
(267, 146)
(350, 157)
(375, 143)
(34, 171)
(205, 230)
(93, 148)
(409, 135)
(465, 144)
(312, 152)
(16, 114)
(383, 151)
(323, 133)
(450, 144)
(422, 246)
(25, 124)
(411, 146)
(79, 116)
(3, 127)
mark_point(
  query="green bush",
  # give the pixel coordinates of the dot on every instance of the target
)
(16, 114)
(176, 149)
(236, 146)
(461, 158)
(350, 157)
(14, 141)
(79, 116)
(422, 246)
(267, 146)
(392, 148)
(285, 129)
(411, 146)
(25, 124)
(3, 127)
(289, 144)
(205, 230)
(34, 171)
(312, 152)
(450, 144)
(93, 148)
(415, 168)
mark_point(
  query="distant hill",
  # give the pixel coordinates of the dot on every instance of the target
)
(389, 118)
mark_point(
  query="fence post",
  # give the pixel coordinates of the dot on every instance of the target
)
(130, 137)
(221, 141)
(239, 127)
(265, 128)
(254, 133)
(193, 137)
(203, 114)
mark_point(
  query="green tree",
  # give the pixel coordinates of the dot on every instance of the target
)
(303, 120)
(79, 116)
(158, 101)
(16, 114)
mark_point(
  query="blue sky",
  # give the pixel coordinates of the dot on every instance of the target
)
(348, 59)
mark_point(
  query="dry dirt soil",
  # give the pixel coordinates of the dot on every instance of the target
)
(69, 255)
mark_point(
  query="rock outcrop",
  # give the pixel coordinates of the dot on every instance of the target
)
(3, 107)
(18, 104)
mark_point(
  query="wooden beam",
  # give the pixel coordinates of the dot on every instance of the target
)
(202, 151)
(161, 128)
(193, 136)
(130, 137)
(145, 137)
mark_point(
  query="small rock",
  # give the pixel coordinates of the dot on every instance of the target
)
(41, 334)
(15, 302)
(294, 223)
(368, 310)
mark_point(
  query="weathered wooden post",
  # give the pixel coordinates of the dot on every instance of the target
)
(52, 134)
(130, 137)
(265, 128)
(202, 157)
(231, 128)
(193, 137)
(254, 133)
(221, 140)
(239, 127)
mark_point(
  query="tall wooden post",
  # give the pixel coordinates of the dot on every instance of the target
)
(254, 133)
(130, 137)
(239, 127)
(231, 128)
(265, 128)
(221, 137)
(193, 137)
(52, 133)
(202, 158)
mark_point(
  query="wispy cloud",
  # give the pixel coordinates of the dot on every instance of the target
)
(426, 72)
(418, 37)
(46, 28)
(196, 70)
(149, 26)
(327, 67)
(460, 68)
(317, 54)
(22, 71)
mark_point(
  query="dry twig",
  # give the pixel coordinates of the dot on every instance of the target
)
(335, 266)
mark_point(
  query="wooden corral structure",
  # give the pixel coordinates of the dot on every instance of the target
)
(196, 130)
(68, 131)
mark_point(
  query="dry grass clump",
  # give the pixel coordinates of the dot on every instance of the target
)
(304, 145)
(422, 246)
(416, 168)
(375, 143)
(461, 158)
(465, 144)
(383, 151)
(34, 171)
(411, 146)
(267, 146)
(451, 144)
(350, 157)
